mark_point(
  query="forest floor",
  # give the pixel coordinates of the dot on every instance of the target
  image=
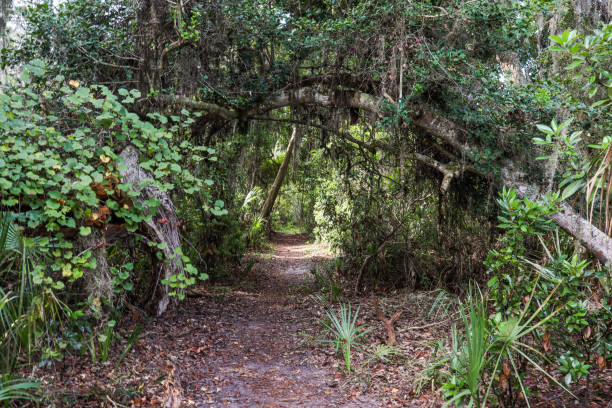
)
(255, 341)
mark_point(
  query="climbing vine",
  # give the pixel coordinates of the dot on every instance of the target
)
(60, 171)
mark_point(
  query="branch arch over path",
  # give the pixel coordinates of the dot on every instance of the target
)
(436, 127)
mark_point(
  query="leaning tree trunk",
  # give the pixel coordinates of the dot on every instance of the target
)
(435, 126)
(278, 181)
(592, 238)
(164, 227)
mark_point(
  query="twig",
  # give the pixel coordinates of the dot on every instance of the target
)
(108, 64)
(391, 339)
(378, 250)
(371, 147)
(116, 404)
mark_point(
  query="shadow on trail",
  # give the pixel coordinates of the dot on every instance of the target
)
(242, 347)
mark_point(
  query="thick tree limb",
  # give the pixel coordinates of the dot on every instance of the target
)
(450, 170)
(211, 110)
(164, 232)
(302, 96)
(593, 239)
(434, 125)
(442, 128)
(278, 181)
(310, 96)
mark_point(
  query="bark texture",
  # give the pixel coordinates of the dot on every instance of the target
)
(280, 176)
(591, 12)
(434, 126)
(163, 227)
(592, 238)
(98, 282)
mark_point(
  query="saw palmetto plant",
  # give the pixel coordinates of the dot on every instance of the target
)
(346, 332)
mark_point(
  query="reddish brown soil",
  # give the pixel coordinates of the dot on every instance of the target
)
(237, 346)
(254, 343)
(258, 358)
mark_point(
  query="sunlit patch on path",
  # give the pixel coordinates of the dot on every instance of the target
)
(254, 355)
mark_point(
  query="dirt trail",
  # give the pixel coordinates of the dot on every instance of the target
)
(249, 344)
(251, 348)
(240, 345)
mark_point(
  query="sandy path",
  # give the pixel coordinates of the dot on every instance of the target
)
(255, 357)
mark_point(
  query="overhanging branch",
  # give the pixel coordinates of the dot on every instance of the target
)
(371, 147)
(211, 110)
(449, 171)
(431, 123)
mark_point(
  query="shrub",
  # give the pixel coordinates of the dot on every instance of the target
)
(487, 357)
(61, 169)
(345, 331)
(548, 307)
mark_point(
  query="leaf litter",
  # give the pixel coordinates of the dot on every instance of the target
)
(255, 341)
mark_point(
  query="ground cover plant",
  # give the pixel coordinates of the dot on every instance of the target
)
(334, 203)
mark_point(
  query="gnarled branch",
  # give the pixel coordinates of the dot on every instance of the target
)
(434, 125)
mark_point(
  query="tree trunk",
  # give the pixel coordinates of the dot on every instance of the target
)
(592, 238)
(164, 228)
(98, 282)
(435, 126)
(278, 181)
(589, 13)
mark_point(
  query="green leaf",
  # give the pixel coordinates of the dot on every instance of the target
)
(599, 103)
(539, 141)
(571, 189)
(218, 213)
(545, 129)
(52, 204)
(574, 64)
(556, 39)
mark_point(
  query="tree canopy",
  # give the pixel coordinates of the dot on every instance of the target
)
(144, 135)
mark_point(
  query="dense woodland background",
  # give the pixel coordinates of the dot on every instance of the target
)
(146, 146)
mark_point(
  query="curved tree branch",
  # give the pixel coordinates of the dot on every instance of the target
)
(435, 125)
